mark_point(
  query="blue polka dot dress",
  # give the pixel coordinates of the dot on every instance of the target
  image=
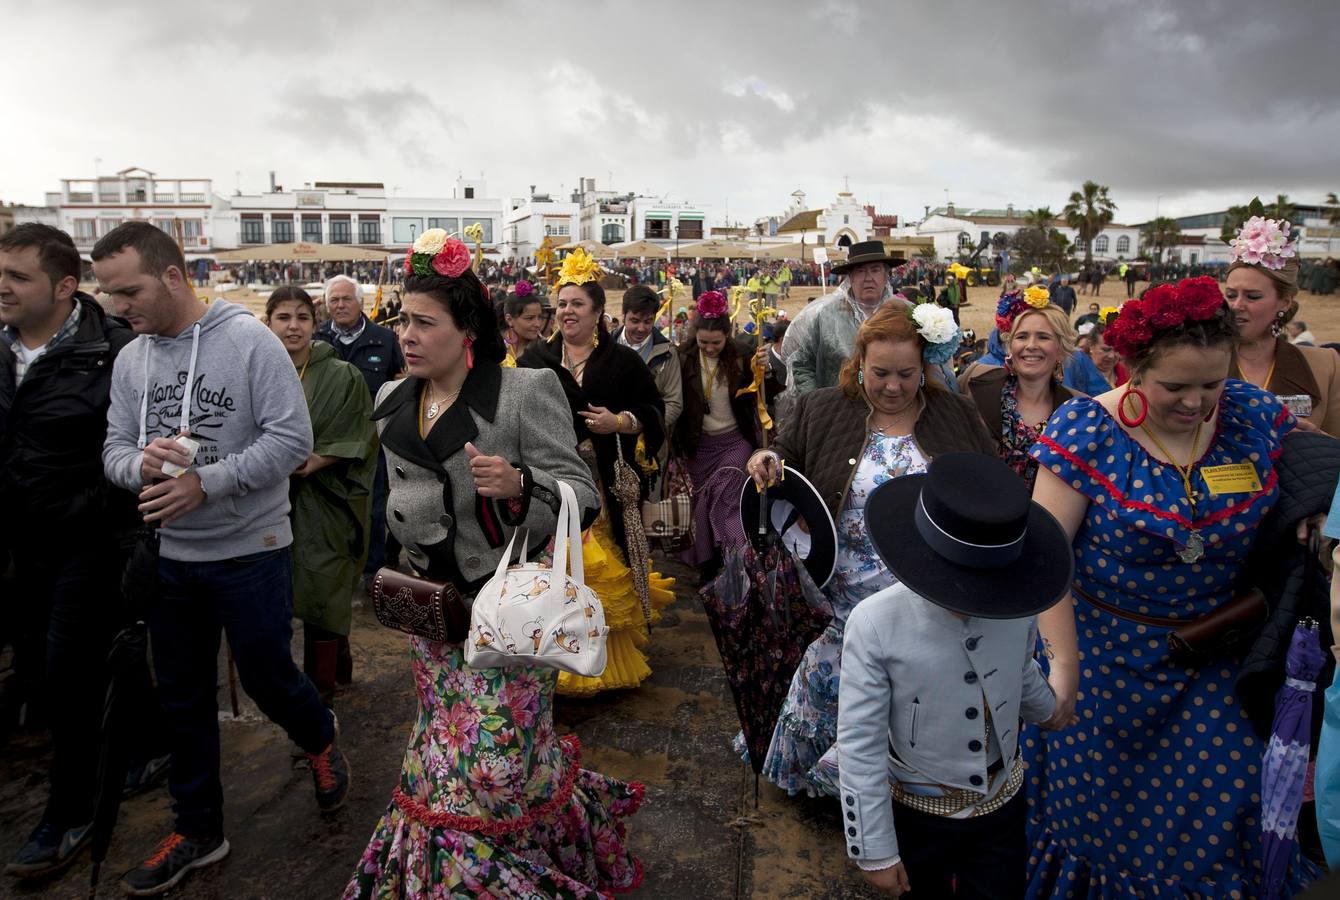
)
(1157, 791)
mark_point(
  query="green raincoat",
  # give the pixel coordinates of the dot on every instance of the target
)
(332, 508)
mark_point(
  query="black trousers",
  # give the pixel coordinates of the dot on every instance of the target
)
(986, 856)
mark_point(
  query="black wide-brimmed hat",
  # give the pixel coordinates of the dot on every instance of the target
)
(967, 537)
(789, 500)
(867, 252)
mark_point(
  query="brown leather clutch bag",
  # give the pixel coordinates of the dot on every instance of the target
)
(420, 607)
(1227, 631)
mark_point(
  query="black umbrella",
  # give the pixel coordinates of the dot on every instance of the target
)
(127, 687)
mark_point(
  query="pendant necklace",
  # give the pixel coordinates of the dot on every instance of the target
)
(1195, 544)
(436, 406)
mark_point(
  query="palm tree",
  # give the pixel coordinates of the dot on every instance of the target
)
(1088, 211)
(1281, 208)
(1040, 218)
(1161, 233)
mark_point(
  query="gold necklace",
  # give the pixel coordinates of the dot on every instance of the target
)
(1195, 545)
(1265, 385)
(711, 373)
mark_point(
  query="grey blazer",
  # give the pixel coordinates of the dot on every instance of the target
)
(449, 531)
(918, 680)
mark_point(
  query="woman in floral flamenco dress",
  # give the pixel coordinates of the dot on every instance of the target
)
(490, 801)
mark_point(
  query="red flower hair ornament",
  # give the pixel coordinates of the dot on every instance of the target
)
(1163, 308)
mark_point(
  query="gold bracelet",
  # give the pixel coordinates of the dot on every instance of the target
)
(618, 419)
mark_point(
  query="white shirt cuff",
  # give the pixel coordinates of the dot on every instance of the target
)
(874, 865)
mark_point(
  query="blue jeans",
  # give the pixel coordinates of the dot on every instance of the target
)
(251, 599)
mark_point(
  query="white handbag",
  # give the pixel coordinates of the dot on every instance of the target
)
(533, 615)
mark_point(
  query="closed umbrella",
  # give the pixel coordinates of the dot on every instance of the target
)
(765, 610)
(129, 685)
(1286, 758)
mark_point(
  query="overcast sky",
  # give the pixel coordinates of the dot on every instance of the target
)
(733, 103)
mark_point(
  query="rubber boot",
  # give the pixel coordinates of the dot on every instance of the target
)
(344, 662)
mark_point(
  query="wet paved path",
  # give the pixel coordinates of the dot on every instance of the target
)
(699, 834)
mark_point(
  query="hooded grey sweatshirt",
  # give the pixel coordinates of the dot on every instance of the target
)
(247, 410)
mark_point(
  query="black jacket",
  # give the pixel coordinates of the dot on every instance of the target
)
(689, 428)
(1308, 468)
(376, 353)
(52, 428)
(616, 378)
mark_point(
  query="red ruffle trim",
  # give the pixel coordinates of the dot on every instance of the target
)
(415, 809)
(1120, 497)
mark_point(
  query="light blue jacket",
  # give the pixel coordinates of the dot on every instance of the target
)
(920, 680)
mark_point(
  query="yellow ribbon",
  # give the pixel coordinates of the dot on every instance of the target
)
(758, 312)
(475, 233)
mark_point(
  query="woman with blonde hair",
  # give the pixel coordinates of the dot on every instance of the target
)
(1261, 290)
(1016, 400)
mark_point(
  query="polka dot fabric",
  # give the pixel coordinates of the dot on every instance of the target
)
(1156, 792)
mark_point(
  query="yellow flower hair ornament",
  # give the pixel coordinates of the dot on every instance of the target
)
(578, 268)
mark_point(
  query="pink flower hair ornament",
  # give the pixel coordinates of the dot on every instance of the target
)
(711, 305)
(1264, 242)
(524, 289)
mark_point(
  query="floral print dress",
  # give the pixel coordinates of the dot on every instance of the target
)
(807, 725)
(491, 802)
(1017, 437)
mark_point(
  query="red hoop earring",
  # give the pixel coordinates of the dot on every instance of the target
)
(469, 354)
(1121, 407)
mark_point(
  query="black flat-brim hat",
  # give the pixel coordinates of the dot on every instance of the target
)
(789, 500)
(863, 252)
(967, 537)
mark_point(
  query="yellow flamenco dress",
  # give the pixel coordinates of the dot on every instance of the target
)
(607, 574)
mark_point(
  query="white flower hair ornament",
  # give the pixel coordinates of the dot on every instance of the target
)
(936, 324)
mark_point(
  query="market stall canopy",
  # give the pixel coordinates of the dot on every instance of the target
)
(714, 250)
(595, 248)
(303, 252)
(641, 249)
(800, 251)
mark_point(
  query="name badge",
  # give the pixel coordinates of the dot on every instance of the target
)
(1234, 478)
(374, 359)
(1299, 404)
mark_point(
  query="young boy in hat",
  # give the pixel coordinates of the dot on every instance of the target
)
(937, 674)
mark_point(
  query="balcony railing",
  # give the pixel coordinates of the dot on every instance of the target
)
(192, 198)
(81, 196)
(109, 197)
(164, 198)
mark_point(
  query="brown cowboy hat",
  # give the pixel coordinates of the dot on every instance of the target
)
(868, 252)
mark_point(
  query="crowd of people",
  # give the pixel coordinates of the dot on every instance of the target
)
(1017, 528)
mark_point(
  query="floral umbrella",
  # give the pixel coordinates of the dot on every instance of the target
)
(1285, 765)
(764, 610)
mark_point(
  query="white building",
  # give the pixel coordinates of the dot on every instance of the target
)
(958, 229)
(605, 215)
(334, 212)
(186, 208)
(667, 222)
(842, 223)
(1202, 241)
(528, 222)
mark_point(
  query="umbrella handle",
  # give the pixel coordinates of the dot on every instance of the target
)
(763, 512)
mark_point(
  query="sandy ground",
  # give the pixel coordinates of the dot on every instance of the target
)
(1321, 313)
(699, 833)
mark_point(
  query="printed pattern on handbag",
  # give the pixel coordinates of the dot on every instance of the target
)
(529, 614)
